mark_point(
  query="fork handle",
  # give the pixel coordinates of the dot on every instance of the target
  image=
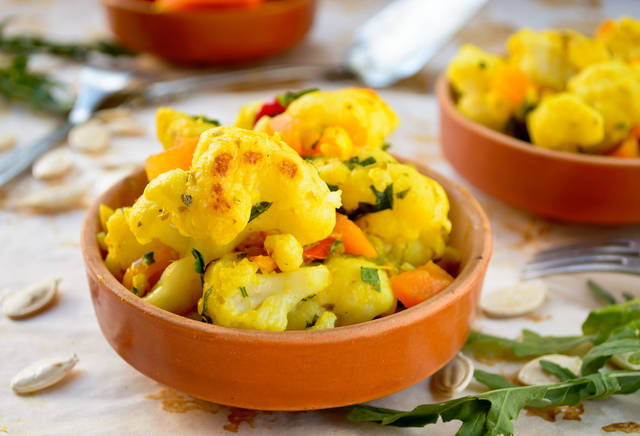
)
(21, 159)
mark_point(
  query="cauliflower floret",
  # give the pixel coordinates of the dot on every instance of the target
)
(622, 37)
(564, 122)
(326, 321)
(351, 299)
(360, 112)
(178, 289)
(309, 314)
(542, 55)
(237, 296)
(172, 126)
(243, 180)
(488, 108)
(613, 89)
(471, 70)
(123, 248)
(583, 51)
(285, 250)
(246, 117)
(411, 224)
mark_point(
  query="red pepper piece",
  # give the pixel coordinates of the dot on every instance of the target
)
(271, 108)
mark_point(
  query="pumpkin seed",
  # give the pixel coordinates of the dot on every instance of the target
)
(30, 300)
(55, 199)
(515, 300)
(90, 137)
(532, 374)
(108, 115)
(42, 374)
(126, 127)
(455, 376)
(54, 163)
(621, 360)
(7, 141)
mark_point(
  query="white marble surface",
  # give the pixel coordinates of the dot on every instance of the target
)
(104, 395)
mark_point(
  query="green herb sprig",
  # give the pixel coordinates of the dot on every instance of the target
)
(259, 209)
(370, 276)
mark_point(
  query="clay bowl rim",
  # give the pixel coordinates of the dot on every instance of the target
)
(443, 92)
(481, 249)
(146, 7)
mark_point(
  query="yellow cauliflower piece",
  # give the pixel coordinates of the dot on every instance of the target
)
(123, 248)
(416, 228)
(246, 117)
(285, 250)
(172, 126)
(237, 172)
(350, 298)
(471, 69)
(622, 37)
(564, 122)
(583, 51)
(309, 314)
(613, 89)
(542, 55)
(326, 321)
(178, 289)
(237, 296)
(361, 112)
(488, 108)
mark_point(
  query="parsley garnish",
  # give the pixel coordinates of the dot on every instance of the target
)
(205, 298)
(334, 246)
(259, 209)
(243, 291)
(333, 188)
(386, 146)
(148, 258)
(370, 276)
(186, 199)
(285, 99)
(199, 264)
(482, 64)
(351, 163)
(384, 201)
(312, 323)
(621, 125)
(309, 297)
(134, 290)
(241, 256)
(402, 194)
(206, 120)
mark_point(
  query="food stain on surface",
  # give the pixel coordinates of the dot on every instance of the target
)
(625, 427)
(536, 317)
(569, 413)
(174, 402)
(238, 416)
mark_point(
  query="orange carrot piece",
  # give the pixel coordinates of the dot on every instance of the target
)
(606, 27)
(628, 149)
(414, 287)
(352, 237)
(162, 259)
(266, 264)
(176, 157)
(289, 129)
(512, 83)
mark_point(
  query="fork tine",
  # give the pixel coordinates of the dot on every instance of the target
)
(594, 250)
(575, 268)
(566, 261)
(592, 243)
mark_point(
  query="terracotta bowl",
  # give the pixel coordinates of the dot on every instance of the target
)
(228, 35)
(298, 370)
(552, 184)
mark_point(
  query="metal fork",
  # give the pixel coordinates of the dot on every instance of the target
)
(95, 85)
(608, 255)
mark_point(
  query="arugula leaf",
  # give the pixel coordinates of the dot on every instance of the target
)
(285, 99)
(259, 209)
(623, 339)
(370, 276)
(601, 293)
(492, 381)
(243, 291)
(610, 317)
(559, 371)
(334, 245)
(492, 413)
(148, 258)
(205, 298)
(532, 344)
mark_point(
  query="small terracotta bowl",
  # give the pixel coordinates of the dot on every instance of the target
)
(552, 184)
(298, 370)
(227, 35)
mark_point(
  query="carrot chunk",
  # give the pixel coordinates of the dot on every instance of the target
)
(354, 240)
(414, 287)
(176, 157)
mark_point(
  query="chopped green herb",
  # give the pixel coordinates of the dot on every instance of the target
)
(259, 209)
(601, 293)
(134, 290)
(334, 246)
(621, 126)
(199, 263)
(186, 199)
(285, 99)
(403, 194)
(312, 323)
(205, 299)
(241, 256)
(351, 163)
(482, 64)
(370, 276)
(148, 258)
(386, 146)
(384, 201)
(206, 120)
(333, 188)
(559, 371)
(243, 291)
(309, 297)
(368, 161)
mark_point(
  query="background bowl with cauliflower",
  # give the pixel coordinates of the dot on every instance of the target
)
(294, 219)
(567, 109)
